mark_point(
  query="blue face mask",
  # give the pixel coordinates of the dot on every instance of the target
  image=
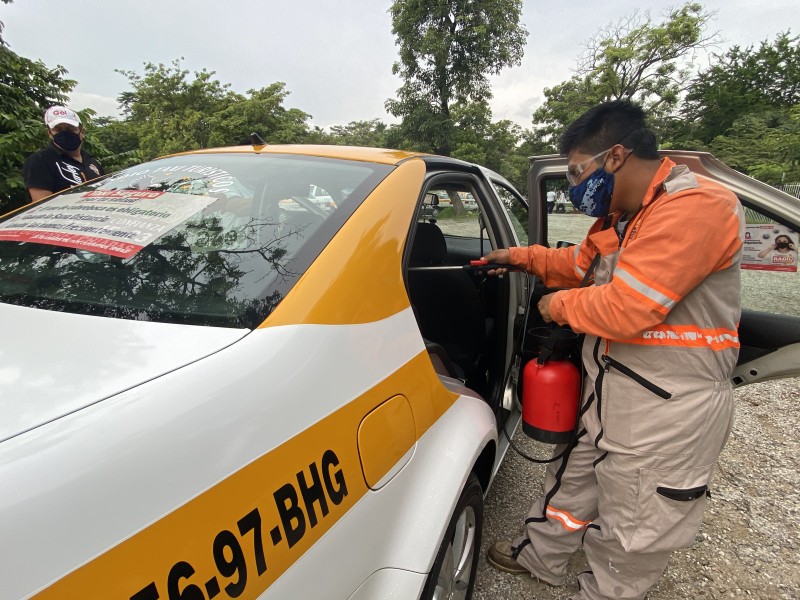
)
(592, 196)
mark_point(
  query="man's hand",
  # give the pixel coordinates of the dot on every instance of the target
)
(544, 307)
(500, 256)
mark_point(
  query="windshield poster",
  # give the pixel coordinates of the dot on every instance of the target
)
(770, 247)
(115, 222)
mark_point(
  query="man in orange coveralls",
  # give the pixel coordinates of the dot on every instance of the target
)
(660, 348)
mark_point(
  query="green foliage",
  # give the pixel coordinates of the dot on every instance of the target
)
(168, 111)
(493, 144)
(635, 59)
(113, 142)
(448, 48)
(742, 82)
(358, 133)
(27, 89)
(764, 145)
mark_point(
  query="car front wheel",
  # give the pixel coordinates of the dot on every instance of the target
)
(453, 573)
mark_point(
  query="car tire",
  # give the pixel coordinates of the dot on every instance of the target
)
(453, 574)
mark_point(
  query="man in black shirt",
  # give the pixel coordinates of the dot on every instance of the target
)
(62, 163)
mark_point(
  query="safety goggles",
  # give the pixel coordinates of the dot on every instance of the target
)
(575, 171)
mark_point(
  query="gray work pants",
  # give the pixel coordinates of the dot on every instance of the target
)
(615, 505)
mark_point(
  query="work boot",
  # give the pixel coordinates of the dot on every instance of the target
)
(501, 556)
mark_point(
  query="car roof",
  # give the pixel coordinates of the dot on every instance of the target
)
(375, 155)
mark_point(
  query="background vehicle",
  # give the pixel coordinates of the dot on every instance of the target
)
(207, 389)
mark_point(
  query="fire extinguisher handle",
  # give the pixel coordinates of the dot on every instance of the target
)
(548, 347)
(485, 265)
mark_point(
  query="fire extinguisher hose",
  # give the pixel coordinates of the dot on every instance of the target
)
(544, 355)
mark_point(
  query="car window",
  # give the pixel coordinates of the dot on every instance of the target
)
(516, 210)
(769, 266)
(455, 211)
(212, 239)
(564, 223)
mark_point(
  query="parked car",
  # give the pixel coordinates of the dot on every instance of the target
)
(206, 391)
(257, 396)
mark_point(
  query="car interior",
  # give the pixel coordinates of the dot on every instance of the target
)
(460, 311)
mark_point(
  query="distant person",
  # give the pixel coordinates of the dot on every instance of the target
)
(551, 200)
(561, 202)
(62, 163)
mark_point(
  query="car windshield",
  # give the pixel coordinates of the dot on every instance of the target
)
(207, 239)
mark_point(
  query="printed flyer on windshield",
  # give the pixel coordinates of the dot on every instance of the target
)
(114, 222)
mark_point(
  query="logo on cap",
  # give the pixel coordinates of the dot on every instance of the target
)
(55, 115)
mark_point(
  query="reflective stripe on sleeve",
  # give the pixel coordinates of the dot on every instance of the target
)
(688, 336)
(656, 299)
(578, 271)
(569, 522)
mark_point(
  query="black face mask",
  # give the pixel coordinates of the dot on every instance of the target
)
(66, 140)
(782, 245)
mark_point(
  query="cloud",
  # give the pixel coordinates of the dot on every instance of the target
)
(104, 106)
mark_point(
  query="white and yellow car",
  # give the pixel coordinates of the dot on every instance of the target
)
(213, 387)
(210, 387)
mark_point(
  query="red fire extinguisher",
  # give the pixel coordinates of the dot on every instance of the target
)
(551, 389)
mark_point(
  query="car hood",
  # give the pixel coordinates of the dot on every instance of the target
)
(54, 363)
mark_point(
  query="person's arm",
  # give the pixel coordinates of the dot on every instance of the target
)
(675, 249)
(38, 193)
(766, 251)
(561, 267)
(37, 177)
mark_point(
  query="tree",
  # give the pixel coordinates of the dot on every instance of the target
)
(261, 112)
(359, 133)
(168, 111)
(634, 59)
(763, 144)
(741, 82)
(27, 89)
(113, 142)
(448, 48)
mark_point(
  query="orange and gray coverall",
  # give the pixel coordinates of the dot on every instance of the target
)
(660, 348)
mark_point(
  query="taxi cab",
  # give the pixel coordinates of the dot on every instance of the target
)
(212, 386)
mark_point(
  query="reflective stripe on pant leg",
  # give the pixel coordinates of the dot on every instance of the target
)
(571, 505)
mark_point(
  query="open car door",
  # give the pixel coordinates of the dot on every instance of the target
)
(769, 330)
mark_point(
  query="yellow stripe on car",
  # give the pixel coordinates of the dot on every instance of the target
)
(343, 286)
(240, 535)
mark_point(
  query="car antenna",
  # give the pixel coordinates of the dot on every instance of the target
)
(257, 140)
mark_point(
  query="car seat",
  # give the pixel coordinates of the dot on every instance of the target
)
(446, 302)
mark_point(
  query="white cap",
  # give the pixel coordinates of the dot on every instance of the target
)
(55, 115)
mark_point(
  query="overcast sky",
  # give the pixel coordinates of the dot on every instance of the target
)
(335, 57)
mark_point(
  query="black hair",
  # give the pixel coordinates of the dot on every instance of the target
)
(607, 124)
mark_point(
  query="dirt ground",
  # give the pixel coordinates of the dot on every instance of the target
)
(749, 545)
